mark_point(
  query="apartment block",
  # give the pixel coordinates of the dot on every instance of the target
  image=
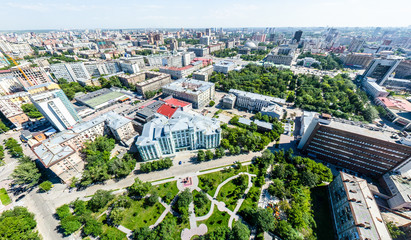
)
(70, 71)
(61, 153)
(146, 81)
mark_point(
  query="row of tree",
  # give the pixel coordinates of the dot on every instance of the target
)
(161, 164)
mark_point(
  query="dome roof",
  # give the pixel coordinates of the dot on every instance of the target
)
(250, 44)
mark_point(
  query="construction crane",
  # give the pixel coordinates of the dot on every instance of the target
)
(17, 65)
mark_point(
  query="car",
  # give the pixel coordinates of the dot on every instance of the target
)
(179, 163)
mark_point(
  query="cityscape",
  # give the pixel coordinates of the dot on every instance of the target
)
(204, 127)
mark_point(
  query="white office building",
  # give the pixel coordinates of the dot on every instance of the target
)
(56, 108)
(184, 131)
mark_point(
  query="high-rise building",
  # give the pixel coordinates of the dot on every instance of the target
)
(381, 69)
(56, 108)
(70, 71)
(205, 40)
(183, 131)
(297, 35)
(173, 45)
(208, 32)
(356, 45)
(370, 152)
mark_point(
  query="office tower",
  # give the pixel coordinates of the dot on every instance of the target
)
(208, 32)
(70, 71)
(356, 45)
(183, 131)
(370, 152)
(381, 69)
(56, 108)
(297, 35)
(205, 40)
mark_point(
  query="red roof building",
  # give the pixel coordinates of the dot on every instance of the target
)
(167, 110)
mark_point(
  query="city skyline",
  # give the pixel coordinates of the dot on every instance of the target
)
(75, 14)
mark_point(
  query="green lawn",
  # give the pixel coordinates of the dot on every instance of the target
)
(205, 209)
(229, 196)
(163, 189)
(209, 182)
(322, 213)
(140, 216)
(216, 220)
(4, 197)
(105, 228)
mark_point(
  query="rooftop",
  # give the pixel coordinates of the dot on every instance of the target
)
(257, 96)
(189, 85)
(364, 209)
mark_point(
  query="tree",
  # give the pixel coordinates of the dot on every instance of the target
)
(153, 199)
(3, 127)
(277, 188)
(370, 113)
(123, 201)
(239, 232)
(45, 186)
(63, 211)
(116, 216)
(70, 224)
(18, 223)
(309, 179)
(200, 156)
(200, 199)
(183, 200)
(264, 220)
(394, 230)
(93, 227)
(31, 110)
(99, 200)
(26, 174)
(225, 143)
(212, 103)
(209, 155)
(144, 233)
(139, 188)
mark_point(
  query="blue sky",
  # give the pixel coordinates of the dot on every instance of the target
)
(69, 14)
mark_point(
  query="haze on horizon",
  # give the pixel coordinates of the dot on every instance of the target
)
(81, 14)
